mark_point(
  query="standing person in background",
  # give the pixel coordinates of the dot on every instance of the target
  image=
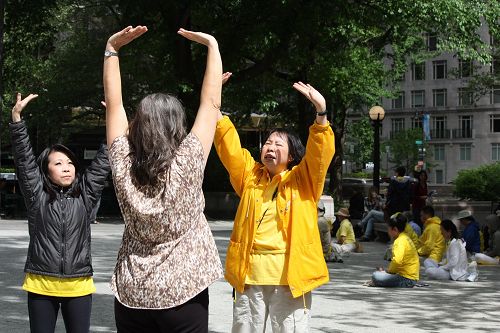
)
(168, 256)
(399, 192)
(59, 199)
(419, 194)
(275, 259)
(431, 243)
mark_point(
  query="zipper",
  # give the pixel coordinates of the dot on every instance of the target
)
(63, 231)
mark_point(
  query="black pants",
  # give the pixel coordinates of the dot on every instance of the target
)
(190, 317)
(43, 312)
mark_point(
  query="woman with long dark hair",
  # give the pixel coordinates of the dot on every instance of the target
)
(454, 265)
(60, 199)
(168, 256)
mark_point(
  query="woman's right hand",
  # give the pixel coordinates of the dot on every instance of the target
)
(121, 38)
(198, 37)
(20, 105)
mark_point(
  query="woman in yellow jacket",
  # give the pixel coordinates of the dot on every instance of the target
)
(275, 256)
(431, 243)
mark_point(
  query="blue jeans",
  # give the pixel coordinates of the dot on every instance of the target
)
(370, 218)
(384, 279)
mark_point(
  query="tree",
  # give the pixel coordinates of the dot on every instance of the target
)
(404, 150)
(481, 183)
(359, 137)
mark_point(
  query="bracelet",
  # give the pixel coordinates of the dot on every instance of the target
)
(108, 53)
(324, 113)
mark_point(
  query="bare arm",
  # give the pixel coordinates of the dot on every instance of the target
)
(210, 99)
(116, 118)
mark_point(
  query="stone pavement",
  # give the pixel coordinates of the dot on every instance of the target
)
(342, 305)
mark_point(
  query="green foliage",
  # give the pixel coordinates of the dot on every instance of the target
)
(359, 137)
(403, 150)
(481, 183)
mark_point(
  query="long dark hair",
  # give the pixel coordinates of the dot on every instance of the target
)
(448, 225)
(155, 133)
(295, 147)
(43, 164)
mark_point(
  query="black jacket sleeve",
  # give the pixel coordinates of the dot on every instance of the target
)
(95, 176)
(28, 173)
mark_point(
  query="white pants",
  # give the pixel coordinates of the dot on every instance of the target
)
(287, 314)
(434, 272)
(482, 258)
(340, 250)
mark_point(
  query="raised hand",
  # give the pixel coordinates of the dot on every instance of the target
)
(20, 105)
(121, 38)
(198, 37)
(226, 76)
(311, 94)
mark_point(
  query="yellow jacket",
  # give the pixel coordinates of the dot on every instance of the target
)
(405, 261)
(299, 191)
(413, 236)
(432, 243)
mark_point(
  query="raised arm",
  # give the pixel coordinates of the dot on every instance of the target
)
(210, 99)
(28, 174)
(116, 118)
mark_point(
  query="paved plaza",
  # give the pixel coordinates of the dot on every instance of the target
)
(342, 305)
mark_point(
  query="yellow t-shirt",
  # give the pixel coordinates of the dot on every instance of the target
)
(405, 260)
(58, 287)
(268, 258)
(346, 230)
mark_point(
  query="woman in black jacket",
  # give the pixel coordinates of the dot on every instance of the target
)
(59, 201)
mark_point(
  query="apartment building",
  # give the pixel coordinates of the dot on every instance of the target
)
(464, 130)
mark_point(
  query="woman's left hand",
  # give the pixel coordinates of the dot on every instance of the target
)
(311, 94)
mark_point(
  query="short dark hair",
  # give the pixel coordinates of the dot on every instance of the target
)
(429, 210)
(295, 147)
(400, 170)
(448, 225)
(43, 165)
(398, 221)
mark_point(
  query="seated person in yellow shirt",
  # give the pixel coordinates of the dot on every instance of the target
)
(431, 243)
(403, 271)
(346, 241)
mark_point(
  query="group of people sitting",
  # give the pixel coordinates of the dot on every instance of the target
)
(445, 253)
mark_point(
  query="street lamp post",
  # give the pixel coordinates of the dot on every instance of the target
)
(377, 114)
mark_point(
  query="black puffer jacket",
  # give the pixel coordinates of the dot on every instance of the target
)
(59, 229)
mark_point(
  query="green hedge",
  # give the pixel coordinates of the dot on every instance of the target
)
(482, 183)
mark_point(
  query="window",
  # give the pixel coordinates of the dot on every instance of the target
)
(464, 96)
(495, 123)
(417, 98)
(495, 95)
(439, 69)
(495, 66)
(431, 41)
(418, 71)
(439, 152)
(416, 122)
(465, 151)
(439, 177)
(439, 130)
(464, 68)
(495, 151)
(439, 97)
(464, 127)
(399, 103)
(398, 124)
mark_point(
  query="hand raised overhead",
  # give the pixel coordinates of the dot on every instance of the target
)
(121, 38)
(198, 37)
(311, 94)
(20, 105)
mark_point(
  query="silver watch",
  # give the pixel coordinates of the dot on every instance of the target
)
(110, 53)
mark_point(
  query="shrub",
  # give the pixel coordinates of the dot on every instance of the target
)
(482, 183)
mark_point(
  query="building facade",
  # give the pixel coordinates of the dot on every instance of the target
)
(464, 125)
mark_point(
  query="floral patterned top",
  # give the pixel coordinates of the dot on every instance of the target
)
(168, 254)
